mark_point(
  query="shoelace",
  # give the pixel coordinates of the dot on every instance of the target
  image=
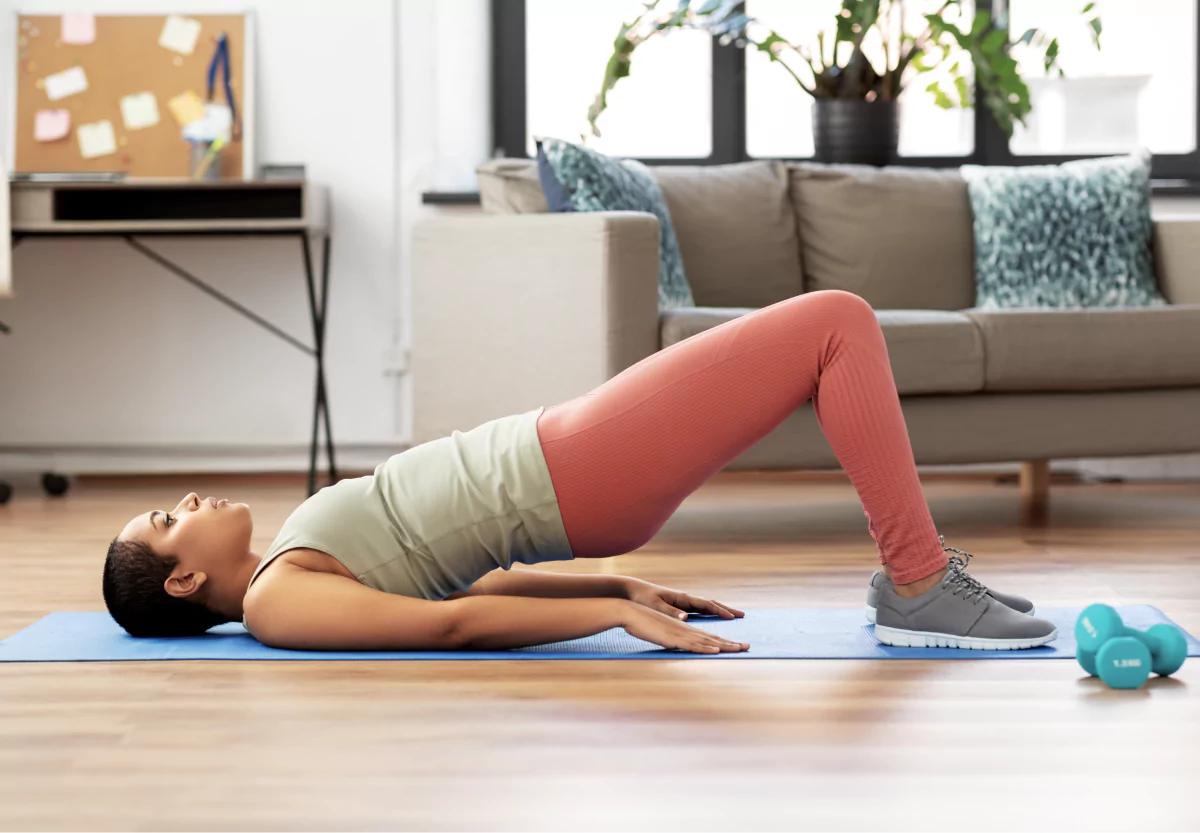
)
(958, 576)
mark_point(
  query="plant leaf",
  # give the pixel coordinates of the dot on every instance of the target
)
(1051, 54)
(993, 40)
(980, 23)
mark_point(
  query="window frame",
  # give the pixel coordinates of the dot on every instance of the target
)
(509, 110)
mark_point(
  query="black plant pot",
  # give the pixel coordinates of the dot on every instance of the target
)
(855, 131)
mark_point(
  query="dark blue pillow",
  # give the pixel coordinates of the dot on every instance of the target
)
(556, 196)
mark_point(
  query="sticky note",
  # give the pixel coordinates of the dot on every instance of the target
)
(65, 83)
(139, 110)
(186, 107)
(78, 28)
(96, 139)
(217, 122)
(179, 34)
(51, 125)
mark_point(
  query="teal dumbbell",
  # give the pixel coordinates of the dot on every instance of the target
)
(1123, 662)
(1098, 625)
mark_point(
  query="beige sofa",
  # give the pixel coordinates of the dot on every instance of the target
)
(515, 308)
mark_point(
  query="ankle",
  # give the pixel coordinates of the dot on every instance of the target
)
(921, 585)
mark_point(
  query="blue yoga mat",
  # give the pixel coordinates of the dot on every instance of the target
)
(796, 633)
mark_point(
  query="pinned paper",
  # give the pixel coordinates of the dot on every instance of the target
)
(65, 83)
(216, 124)
(51, 125)
(139, 110)
(78, 28)
(179, 34)
(96, 139)
(186, 107)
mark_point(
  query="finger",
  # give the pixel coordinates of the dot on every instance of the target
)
(710, 606)
(729, 644)
(670, 610)
(712, 639)
(737, 614)
(724, 647)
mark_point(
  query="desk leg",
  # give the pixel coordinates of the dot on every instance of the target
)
(318, 308)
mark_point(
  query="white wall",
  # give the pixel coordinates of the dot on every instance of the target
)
(115, 364)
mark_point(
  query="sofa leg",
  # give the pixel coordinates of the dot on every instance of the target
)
(1035, 491)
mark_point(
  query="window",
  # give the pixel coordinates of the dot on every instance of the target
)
(1139, 89)
(779, 111)
(690, 100)
(664, 108)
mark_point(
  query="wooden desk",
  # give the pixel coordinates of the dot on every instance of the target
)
(138, 208)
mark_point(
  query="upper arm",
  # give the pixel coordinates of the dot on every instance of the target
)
(306, 610)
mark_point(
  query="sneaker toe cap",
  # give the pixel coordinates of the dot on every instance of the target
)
(1002, 622)
(1020, 605)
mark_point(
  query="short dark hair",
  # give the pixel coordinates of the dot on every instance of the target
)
(135, 597)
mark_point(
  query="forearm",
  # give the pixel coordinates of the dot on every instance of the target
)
(551, 585)
(499, 622)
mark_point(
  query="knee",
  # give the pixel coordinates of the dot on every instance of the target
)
(851, 310)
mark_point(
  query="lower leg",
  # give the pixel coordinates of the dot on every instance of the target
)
(918, 586)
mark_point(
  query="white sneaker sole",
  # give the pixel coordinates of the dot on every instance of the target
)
(871, 613)
(921, 639)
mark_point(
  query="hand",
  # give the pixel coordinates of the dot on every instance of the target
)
(675, 603)
(663, 630)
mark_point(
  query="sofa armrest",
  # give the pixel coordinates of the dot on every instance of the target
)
(1177, 258)
(510, 312)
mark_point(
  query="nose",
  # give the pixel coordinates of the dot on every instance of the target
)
(187, 501)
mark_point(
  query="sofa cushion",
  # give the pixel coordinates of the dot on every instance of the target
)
(899, 237)
(736, 230)
(592, 181)
(734, 223)
(930, 351)
(1090, 349)
(1069, 236)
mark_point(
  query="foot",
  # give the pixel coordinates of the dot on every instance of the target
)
(958, 612)
(878, 579)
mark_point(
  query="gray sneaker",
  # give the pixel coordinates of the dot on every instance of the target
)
(1017, 603)
(957, 613)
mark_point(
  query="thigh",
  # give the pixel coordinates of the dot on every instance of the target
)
(625, 455)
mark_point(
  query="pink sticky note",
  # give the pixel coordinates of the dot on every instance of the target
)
(51, 125)
(78, 27)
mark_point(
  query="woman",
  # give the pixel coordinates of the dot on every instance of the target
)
(405, 558)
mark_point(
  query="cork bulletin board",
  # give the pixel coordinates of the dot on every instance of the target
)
(124, 58)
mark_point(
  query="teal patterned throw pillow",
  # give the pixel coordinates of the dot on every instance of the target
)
(595, 182)
(1066, 236)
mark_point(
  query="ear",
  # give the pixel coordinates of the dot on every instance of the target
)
(185, 585)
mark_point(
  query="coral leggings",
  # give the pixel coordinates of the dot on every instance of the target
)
(623, 456)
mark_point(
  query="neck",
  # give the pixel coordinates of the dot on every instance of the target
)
(229, 597)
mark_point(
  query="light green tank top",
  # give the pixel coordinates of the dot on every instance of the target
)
(435, 518)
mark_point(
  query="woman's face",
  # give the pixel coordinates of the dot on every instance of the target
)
(198, 532)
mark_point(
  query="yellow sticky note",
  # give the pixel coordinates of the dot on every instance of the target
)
(186, 107)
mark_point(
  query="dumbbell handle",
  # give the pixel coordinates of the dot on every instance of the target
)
(1121, 630)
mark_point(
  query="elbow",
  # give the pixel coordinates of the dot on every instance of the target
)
(454, 632)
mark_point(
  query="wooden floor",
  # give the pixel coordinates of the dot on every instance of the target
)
(600, 745)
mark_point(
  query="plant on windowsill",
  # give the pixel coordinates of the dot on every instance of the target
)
(854, 99)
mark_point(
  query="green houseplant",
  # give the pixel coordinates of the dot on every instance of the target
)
(854, 107)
